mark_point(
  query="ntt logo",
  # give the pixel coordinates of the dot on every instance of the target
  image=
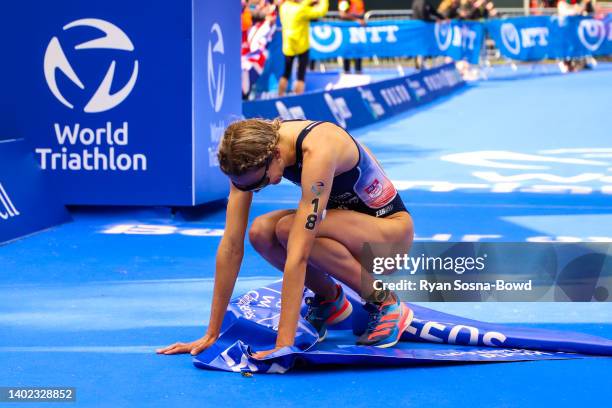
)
(113, 38)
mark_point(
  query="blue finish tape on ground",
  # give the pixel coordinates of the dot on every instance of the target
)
(251, 321)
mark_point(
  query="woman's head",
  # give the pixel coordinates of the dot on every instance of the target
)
(247, 150)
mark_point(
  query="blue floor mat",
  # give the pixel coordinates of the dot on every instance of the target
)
(85, 304)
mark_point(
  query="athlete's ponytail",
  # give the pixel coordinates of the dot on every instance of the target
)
(247, 144)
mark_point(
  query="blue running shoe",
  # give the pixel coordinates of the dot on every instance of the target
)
(322, 313)
(387, 322)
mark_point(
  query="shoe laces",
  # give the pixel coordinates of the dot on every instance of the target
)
(374, 315)
(313, 307)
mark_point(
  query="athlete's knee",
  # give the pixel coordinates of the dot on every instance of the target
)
(261, 233)
(408, 233)
(283, 227)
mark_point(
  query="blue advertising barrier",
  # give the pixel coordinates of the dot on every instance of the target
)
(456, 39)
(123, 102)
(522, 38)
(28, 202)
(360, 106)
(251, 323)
(537, 38)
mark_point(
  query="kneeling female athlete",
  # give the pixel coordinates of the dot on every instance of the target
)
(335, 173)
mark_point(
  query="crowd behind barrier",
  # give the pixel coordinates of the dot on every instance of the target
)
(391, 35)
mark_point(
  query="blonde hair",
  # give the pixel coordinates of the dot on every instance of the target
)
(247, 144)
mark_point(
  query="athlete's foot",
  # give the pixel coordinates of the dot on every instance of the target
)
(322, 313)
(387, 321)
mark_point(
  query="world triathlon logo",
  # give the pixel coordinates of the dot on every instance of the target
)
(216, 68)
(510, 38)
(113, 39)
(325, 38)
(444, 35)
(592, 34)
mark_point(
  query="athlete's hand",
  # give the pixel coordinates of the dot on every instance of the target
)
(195, 347)
(262, 354)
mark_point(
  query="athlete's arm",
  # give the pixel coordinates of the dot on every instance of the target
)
(229, 254)
(317, 175)
(229, 258)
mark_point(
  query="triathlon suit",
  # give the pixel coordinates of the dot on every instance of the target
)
(365, 188)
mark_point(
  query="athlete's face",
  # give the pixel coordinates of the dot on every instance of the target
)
(257, 179)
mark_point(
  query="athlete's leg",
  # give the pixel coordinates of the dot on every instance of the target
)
(262, 236)
(348, 231)
(340, 240)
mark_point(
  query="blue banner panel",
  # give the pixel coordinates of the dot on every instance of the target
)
(587, 36)
(523, 38)
(217, 94)
(456, 39)
(104, 91)
(356, 107)
(251, 323)
(540, 37)
(28, 202)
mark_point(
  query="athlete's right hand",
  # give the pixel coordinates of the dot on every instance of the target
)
(195, 347)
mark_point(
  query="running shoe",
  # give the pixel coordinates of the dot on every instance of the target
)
(322, 313)
(386, 323)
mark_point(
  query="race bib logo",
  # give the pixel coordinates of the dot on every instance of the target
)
(325, 38)
(591, 33)
(510, 38)
(113, 39)
(216, 68)
(374, 190)
(444, 35)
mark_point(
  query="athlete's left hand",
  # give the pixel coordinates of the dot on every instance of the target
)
(263, 354)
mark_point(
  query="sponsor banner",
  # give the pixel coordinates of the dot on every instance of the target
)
(115, 123)
(539, 37)
(456, 39)
(472, 271)
(28, 201)
(251, 323)
(359, 106)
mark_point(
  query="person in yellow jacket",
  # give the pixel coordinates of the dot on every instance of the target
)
(295, 16)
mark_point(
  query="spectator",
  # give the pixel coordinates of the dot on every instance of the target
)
(246, 19)
(586, 8)
(466, 9)
(260, 10)
(482, 9)
(352, 10)
(424, 11)
(449, 9)
(295, 16)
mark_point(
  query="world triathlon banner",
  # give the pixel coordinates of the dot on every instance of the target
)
(456, 39)
(251, 323)
(359, 106)
(537, 38)
(123, 103)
